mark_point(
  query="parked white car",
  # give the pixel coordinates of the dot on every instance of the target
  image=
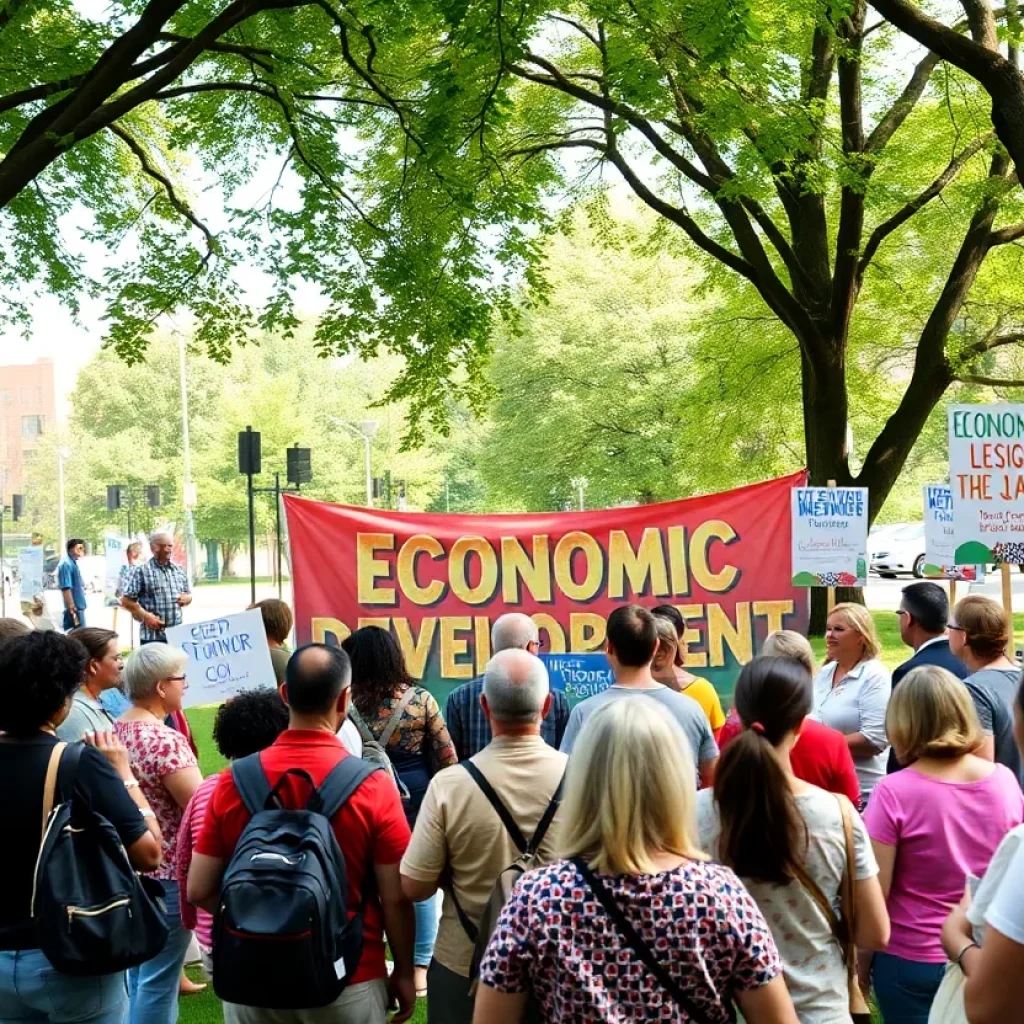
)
(897, 550)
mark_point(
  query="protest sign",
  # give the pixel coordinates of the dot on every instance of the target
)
(939, 547)
(224, 656)
(438, 582)
(986, 474)
(30, 569)
(578, 676)
(830, 536)
(115, 549)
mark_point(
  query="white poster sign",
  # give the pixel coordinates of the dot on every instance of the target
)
(30, 568)
(986, 475)
(116, 551)
(939, 546)
(224, 656)
(830, 536)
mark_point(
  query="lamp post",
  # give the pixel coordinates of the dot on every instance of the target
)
(367, 430)
(62, 454)
(580, 484)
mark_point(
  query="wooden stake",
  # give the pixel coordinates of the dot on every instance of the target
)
(952, 593)
(1004, 571)
(831, 601)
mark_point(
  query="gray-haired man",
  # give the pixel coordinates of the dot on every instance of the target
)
(457, 825)
(156, 592)
(468, 725)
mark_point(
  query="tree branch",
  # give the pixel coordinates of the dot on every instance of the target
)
(1008, 234)
(904, 214)
(992, 382)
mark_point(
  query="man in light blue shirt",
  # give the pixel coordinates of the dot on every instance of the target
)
(632, 640)
(69, 580)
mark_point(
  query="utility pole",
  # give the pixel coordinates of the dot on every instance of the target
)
(188, 488)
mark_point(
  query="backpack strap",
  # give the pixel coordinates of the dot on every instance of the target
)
(549, 815)
(396, 716)
(50, 785)
(635, 942)
(506, 819)
(342, 781)
(251, 782)
(357, 720)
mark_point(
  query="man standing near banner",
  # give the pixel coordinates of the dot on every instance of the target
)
(156, 592)
(467, 723)
(69, 580)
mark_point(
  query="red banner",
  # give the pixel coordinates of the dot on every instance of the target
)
(438, 582)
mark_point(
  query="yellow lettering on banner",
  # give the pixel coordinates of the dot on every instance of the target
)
(677, 561)
(482, 646)
(721, 631)
(700, 542)
(416, 650)
(586, 632)
(556, 635)
(594, 557)
(647, 562)
(421, 544)
(370, 569)
(452, 647)
(321, 627)
(691, 636)
(774, 611)
(516, 565)
(484, 590)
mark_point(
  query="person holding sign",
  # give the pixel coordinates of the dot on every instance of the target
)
(852, 691)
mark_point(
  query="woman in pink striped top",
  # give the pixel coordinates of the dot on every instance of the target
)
(244, 725)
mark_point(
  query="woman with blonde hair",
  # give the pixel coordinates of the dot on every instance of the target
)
(851, 692)
(613, 931)
(931, 826)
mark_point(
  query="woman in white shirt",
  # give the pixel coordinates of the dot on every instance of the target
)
(851, 692)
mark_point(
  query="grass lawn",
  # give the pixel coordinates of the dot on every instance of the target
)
(205, 1008)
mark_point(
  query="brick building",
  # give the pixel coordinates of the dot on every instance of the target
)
(28, 408)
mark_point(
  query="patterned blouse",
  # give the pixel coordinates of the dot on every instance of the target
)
(421, 722)
(154, 751)
(554, 939)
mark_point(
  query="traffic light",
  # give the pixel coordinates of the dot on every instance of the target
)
(300, 469)
(249, 453)
(17, 506)
(153, 497)
(114, 494)
(378, 488)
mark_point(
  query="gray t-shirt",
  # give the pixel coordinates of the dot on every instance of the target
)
(811, 958)
(685, 710)
(996, 717)
(86, 715)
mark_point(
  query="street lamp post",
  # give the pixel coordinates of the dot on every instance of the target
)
(580, 484)
(62, 454)
(367, 430)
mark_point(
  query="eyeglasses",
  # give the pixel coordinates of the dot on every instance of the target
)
(959, 629)
(901, 611)
(538, 643)
(178, 679)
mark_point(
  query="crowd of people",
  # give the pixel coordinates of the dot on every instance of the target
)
(843, 835)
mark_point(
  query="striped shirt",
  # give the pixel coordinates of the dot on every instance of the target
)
(200, 921)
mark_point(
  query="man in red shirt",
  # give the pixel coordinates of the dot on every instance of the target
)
(371, 830)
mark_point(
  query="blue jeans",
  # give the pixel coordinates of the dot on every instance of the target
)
(426, 930)
(153, 986)
(905, 989)
(32, 991)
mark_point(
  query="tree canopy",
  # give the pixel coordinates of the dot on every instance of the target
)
(818, 181)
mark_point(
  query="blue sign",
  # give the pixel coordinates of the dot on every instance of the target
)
(578, 676)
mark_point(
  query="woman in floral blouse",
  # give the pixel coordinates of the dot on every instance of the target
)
(417, 743)
(683, 939)
(165, 765)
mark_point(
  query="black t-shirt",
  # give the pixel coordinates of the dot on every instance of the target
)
(23, 766)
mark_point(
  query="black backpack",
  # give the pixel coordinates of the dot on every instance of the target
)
(92, 913)
(282, 937)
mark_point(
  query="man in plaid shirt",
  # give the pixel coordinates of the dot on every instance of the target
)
(467, 724)
(156, 592)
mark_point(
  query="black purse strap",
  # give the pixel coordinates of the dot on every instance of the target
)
(637, 944)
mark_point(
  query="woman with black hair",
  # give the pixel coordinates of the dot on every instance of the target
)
(406, 720)
(786, 839)
(39, 675)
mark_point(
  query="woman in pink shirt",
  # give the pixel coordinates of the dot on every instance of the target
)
(244, 725)
(931, 825)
